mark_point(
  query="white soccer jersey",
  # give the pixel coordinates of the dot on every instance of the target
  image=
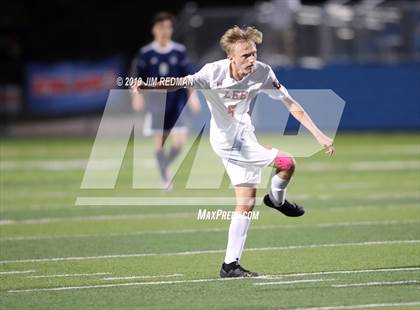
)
(229, 100)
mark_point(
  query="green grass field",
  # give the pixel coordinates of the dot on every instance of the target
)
(358, 245)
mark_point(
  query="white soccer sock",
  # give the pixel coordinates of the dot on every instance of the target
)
(237, 236)
(278, 189)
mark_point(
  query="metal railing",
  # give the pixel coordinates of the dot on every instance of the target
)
(372, 31)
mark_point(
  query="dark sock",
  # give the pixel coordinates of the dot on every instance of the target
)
(230, 266)
(173, 153)
(163, 163)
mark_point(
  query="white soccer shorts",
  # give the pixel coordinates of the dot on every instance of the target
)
(245, 160)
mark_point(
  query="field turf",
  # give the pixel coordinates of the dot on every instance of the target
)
(357, 247)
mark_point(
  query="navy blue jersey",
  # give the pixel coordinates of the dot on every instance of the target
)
(154, 61)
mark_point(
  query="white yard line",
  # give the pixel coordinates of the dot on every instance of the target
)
(292, 282)
(218, 201)
(387, 149)
(186, 253)
(65, 288)
(156, 201)
(46, 165)
(67, 164)
(377, 283)
(389, 205)
(135, 233)
(70, 275)
(80, 164)
(95, 218)
(346, 272)
(205, 230)
(363, 306)
(367, 223)
(16, 272)
(182, 201)
(370, 196)
(383, 165)
(144, 277)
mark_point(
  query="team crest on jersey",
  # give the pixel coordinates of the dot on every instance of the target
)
(276, 84)
(173, 60)
(163, 69)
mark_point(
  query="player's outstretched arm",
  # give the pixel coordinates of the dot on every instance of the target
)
(193, 101)
(299, 113)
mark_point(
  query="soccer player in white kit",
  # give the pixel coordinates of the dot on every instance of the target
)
(229, 86)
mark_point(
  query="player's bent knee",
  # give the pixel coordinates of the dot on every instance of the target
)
(285, 162)
(245, 204)
(244, 209)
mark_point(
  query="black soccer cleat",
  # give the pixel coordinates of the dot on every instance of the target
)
(287, 208)
(234, 270)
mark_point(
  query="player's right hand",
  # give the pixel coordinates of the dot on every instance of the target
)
(328, 144)
(137, 85)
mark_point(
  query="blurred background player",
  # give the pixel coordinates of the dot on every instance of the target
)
(164, 58)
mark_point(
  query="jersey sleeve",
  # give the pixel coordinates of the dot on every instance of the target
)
(272, 86)
(201, 79)
(186, 65)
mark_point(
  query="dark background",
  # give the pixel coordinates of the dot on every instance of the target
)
(69, 31)
(66, 29)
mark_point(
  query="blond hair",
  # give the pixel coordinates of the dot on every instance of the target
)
(236, 34)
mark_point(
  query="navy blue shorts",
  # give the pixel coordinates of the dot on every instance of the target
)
(159, 121)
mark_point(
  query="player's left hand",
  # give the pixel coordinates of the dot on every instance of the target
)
(328, 144)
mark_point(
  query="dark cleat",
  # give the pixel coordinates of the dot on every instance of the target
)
(234, 270)
(287, 208)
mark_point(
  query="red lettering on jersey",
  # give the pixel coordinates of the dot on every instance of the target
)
(236, 94)
(231, 109)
